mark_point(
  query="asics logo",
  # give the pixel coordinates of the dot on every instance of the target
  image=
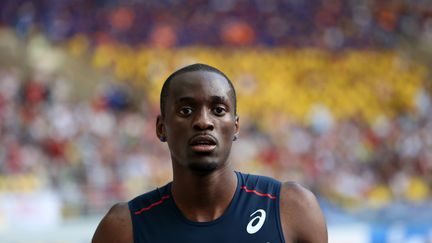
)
(256, 222)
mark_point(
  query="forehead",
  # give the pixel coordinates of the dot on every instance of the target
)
(199, 85)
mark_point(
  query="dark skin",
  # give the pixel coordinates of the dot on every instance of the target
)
(204, 183)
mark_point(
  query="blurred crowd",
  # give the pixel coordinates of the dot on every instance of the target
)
(354, 125)
(331, 24)
(89, 153)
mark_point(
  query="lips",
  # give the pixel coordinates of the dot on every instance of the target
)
(203, 143)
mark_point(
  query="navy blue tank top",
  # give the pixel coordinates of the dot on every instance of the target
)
(252, 216)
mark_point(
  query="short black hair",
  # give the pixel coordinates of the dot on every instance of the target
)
(192, 68)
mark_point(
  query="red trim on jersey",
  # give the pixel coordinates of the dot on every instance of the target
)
(152, 205)
(258, 193)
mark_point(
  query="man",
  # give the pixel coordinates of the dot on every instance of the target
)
(208, 201)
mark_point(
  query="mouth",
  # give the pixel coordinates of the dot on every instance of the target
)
(203, 143)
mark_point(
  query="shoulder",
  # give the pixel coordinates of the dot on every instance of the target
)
(295, 195)
(116, 226)
(301, 216)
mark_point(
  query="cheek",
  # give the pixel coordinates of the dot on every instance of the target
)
(228, 131)
(176, 126)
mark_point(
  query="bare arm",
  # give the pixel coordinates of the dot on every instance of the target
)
(301, 216)
(115, 227)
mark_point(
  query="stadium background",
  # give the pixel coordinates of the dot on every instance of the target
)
(333, 94)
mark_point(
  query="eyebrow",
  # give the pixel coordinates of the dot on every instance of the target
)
(219, 99)
(185, 100)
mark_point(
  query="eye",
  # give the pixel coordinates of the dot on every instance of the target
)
(219, 110)
(185, 111)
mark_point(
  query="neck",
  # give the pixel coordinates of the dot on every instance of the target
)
(203, 197)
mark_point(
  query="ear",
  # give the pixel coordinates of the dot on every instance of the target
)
(237, 126)
(160, 129)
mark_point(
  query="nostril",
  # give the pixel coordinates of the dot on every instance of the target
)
(202, 124)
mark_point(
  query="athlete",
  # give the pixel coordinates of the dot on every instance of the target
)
(208, 201)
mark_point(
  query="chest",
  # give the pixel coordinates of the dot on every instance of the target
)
(245, 222)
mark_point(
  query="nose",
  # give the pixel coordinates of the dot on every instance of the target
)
(203, 120)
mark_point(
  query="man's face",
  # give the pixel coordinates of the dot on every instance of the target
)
(199, 121)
